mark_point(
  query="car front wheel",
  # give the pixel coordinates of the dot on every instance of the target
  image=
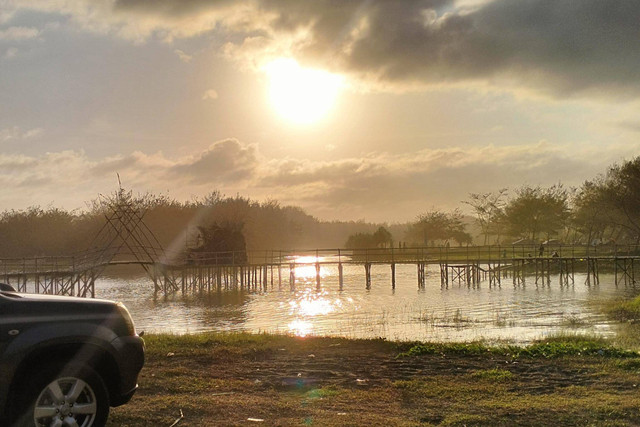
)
(68, 396)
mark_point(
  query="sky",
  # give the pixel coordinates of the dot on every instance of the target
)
(377, 110)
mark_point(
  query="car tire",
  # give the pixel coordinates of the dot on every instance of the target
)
(63, 396)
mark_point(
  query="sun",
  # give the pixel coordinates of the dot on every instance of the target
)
(301, 95)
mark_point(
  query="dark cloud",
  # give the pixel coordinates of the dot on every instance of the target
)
(561, 47)
(224, 161)
(171, 8)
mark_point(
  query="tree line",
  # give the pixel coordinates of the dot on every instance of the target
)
(178, 226)
(603, 209)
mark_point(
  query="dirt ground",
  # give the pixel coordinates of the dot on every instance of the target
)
(285, 381)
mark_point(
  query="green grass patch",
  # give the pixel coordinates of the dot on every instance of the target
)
(624, 311)
(322, 393)
(564, 345)
(495, 374)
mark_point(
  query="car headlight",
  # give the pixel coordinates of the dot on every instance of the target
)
(131, 328)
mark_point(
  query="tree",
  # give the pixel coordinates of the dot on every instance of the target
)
(437, 225)
(226, 240)
(382, 238)
(489, 210)
(590, 212)
(611, 203)
(360, 241)
(537, 212)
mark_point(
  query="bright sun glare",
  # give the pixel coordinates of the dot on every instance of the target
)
(301, 95)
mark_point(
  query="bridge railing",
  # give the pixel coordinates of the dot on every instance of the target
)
(431, 254)
(44, 265)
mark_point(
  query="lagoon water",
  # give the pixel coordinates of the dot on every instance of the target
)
(459, 313)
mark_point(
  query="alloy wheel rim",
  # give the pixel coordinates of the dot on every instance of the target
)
(67, 401)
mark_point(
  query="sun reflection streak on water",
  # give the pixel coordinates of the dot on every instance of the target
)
(300, 328)
(307, 267)
(309, 304)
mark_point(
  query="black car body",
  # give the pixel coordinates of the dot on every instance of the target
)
(57, 352)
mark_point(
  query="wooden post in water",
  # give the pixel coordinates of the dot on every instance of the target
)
(367, 272)
(393, 275)
(444, 276)
(264, 278)
(340, 276)
(318, 275)
(292, 277)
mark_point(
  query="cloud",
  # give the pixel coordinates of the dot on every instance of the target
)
(183, 56)
(223, 161)
(5, 16)
(378, 186)
(18, 33)
(10, 53)
(559, 48)
(15, 133)
(210, 94)
(630, 125)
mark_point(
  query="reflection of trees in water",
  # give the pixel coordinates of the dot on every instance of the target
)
(125, 273)
(220, 308)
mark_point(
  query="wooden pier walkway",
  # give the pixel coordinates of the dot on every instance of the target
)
(469, 266)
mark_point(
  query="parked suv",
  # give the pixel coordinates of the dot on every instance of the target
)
(64, 361)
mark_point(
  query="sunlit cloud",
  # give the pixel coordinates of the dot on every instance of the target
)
(15, 133)
(18, 33)
(183, 56)
(223, 161)
(210, 94)
(340, 189)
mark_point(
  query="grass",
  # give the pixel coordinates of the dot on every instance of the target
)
(227, 379)
(561, 345)
(624, 311)
(495, 374)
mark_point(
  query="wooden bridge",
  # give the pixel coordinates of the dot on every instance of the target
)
(468, 266)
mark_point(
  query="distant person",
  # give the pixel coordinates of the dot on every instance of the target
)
(555, 254)
(541, 250)
(504, 253)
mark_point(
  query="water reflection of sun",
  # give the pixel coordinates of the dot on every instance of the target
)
(307, 305)
(300, 328)
(312, 307)
(306, 267)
